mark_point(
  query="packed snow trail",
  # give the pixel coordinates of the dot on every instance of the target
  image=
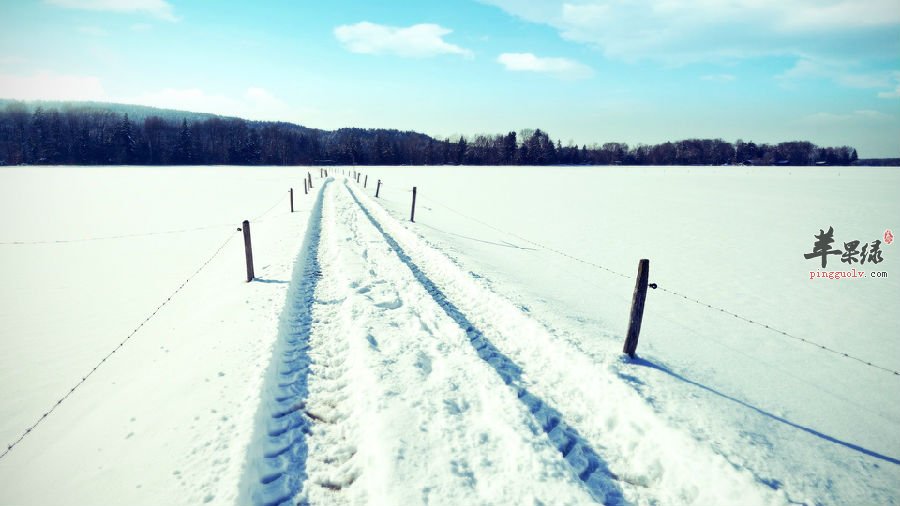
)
(378, 398)
(398, 379)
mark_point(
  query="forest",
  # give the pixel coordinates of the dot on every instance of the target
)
(115, 134)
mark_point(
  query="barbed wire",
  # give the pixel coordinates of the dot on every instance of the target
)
(84, 378)
(127, 338)
(529, 241)
(779, 331)
(676, 293)
(267, 211)
(138, 234)
(122, 236)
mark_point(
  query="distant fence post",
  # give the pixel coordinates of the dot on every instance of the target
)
(309, 177)
(637, 308)
(305, 191)
(366, 181)
(412, 214)
(377, 188)
(292, 200)
(248, 250)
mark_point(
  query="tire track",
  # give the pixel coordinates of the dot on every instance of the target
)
(403, 411)
(276, 467)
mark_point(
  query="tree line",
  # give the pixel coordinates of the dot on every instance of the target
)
(97, 135)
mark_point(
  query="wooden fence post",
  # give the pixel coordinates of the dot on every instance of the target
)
(366, 181)
(412, 214)
(248, 250)
(377, 188)
(309, 177)
(305, 191)
(292, 200)
(637, 308)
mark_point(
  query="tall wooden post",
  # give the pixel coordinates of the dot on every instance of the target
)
(637, 308)
(366, 181)
(305, 191)
(248, 250)
(377, 188)
(292, 200)
(309, 177)
(412, 214)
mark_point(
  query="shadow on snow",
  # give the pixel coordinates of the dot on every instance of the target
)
(646, 363)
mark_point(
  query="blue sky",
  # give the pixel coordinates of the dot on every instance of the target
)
(585, 70)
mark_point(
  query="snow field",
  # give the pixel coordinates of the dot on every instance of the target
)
(649, 460)
(447, 361)
(819, 427)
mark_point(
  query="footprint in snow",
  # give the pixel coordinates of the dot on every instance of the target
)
(391, 304)
(423, 362)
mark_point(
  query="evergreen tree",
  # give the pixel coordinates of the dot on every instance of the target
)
(125, 145)
(184, 148)
(510, 146)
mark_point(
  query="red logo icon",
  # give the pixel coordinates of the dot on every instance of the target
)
(888, 236)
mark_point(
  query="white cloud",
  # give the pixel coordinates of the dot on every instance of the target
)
(895, 93)
(160, 9)
(255, 103)
(559, 67)
(11, 60)
(94, 31)
(187, 99)
(719, 78)
(843, 14)
(416, 41)
(863, 116)
(841, 73)
(51, 86)
(677, 32)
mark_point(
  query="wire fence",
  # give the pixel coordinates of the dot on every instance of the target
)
(261, 217)
(121, 236)
(670, 291)
(30, 429)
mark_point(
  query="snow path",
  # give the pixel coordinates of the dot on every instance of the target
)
(379, 397)
(654, 462)
(400, 379)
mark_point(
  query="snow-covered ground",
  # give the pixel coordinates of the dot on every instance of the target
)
(470, 357)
